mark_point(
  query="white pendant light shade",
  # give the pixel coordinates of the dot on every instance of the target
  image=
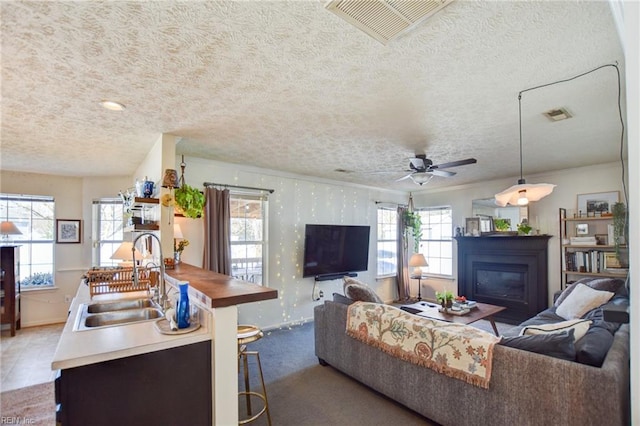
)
(523, 193)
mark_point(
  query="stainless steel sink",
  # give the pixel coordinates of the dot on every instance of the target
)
(108, 314)
(121, 317)
(120, 305)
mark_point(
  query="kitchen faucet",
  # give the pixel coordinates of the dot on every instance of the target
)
(162, 298)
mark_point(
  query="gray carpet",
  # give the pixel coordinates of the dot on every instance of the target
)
(301, 392)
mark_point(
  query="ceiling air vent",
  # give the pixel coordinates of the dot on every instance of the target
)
(385, 20)
(557, 114)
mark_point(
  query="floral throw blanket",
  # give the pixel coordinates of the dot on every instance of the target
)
(456, 350)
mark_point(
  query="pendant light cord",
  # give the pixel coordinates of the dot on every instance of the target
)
(615, 66)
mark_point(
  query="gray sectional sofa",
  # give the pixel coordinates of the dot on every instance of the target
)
(526, 388)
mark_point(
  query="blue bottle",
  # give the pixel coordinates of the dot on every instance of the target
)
(182, 308)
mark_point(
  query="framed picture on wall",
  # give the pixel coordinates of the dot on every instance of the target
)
(68, 231)
(597, 204)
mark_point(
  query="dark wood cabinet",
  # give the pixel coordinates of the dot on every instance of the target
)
(167, 387)
(10, 292)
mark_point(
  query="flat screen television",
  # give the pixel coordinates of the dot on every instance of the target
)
(335, 250)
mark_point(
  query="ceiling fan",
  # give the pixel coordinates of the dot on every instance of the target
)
(422, 169)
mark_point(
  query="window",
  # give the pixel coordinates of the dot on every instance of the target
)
(107, 230)
(248, 237)
(436, 243)
(34, 216)
(387, 241)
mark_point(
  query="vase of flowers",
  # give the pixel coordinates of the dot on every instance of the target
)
(178, 248)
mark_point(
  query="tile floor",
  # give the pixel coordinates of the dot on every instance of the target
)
(26, 357)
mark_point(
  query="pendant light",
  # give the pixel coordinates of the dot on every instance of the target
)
(523, 193)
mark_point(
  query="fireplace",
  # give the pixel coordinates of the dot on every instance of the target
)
(508, 271)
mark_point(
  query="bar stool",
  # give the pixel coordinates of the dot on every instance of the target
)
(246, 335)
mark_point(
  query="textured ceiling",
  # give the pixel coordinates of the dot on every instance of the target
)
(290, 86)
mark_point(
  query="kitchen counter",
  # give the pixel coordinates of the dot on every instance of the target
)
(217, 290)
(77, 348)
(217, 297)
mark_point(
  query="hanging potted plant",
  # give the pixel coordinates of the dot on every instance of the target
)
(619, 211)
(190, 201)
(413, 225)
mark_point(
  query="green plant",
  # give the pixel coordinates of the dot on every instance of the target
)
(445, 297)
(413, 224)
(502, 224)
(179, 246)
(524, 228)
(620, 229)
(190, 200)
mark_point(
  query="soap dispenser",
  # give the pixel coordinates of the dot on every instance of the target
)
(182, 309)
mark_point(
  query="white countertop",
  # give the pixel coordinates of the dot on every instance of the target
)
(78, 348)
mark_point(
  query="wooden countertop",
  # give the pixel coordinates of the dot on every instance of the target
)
(218, 290)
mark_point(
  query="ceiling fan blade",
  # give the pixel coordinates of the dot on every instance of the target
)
(455, 163)
(403, 178)
(443, 173)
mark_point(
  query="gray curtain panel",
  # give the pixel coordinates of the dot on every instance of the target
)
(404, 284)
(217, 231)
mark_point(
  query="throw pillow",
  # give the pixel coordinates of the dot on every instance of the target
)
(579, 327)
(592, 349)
(581, 300)
(337, 297)
(358, 291)
(605, 284)
(558, 345)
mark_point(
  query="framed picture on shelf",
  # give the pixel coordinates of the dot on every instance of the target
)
(602, 239)
(582, 229)
(597, 204)
(611, 261)
(68, 231)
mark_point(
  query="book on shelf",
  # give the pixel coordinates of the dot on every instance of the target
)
(585, 261)
(583, 241)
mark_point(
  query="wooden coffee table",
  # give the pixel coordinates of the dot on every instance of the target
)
(482, 311)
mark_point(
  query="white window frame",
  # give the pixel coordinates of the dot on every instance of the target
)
(25, 240)
(96, 232)
(380, 234)
(440, 240)
(251, 269)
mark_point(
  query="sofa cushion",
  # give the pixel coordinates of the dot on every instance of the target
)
(594, 346)
(615, 285)
(581, 300)
(558, 345)
(579, 326)
(359, 291)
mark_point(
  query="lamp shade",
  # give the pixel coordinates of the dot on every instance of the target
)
(170, 179)
(418, 259)
(421, 178)
(124, 252)
(516, 194)
(177, 232)
(9, 228)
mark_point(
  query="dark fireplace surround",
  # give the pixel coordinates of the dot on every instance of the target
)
(508, 271)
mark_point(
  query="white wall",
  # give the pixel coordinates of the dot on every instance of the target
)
(295, 202)
(73, 197)
(543, 215)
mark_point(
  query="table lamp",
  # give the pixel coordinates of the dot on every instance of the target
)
(8, 228)
(417, 261)
(124, 253)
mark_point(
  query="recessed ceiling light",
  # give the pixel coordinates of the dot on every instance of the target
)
(112, 105)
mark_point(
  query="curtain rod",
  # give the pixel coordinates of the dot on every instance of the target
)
(389, 202)
(270, 191)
